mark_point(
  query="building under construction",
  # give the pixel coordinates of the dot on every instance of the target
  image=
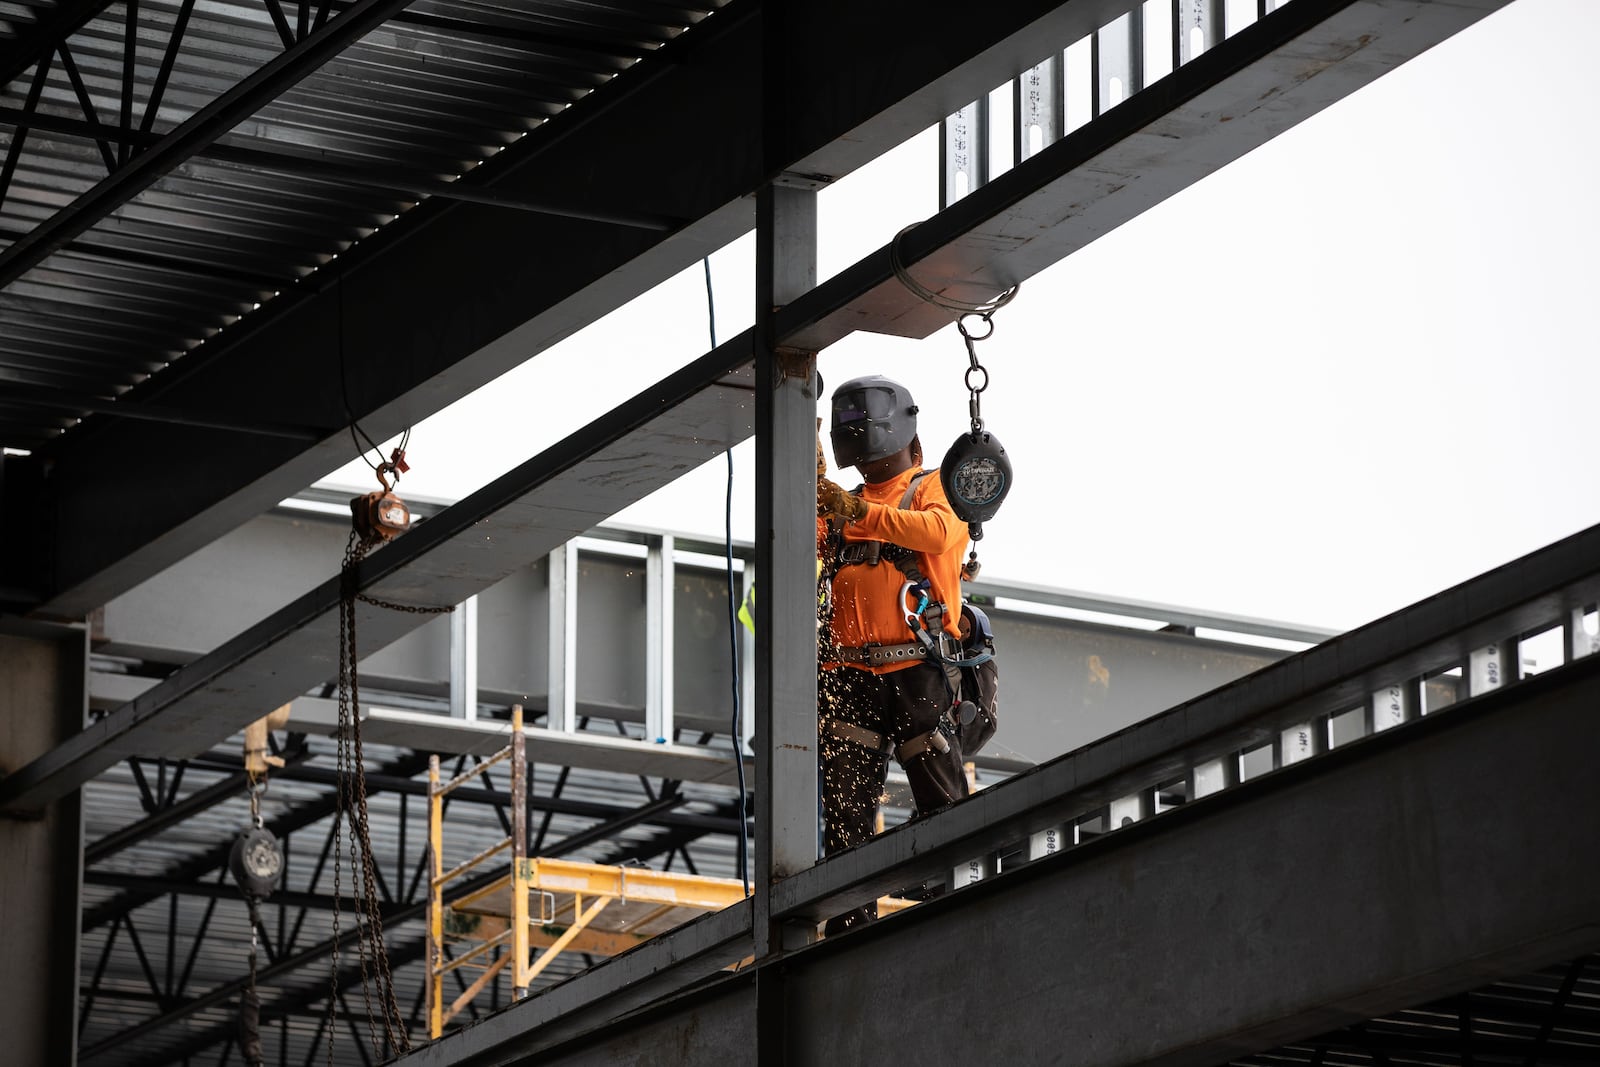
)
(502, 780)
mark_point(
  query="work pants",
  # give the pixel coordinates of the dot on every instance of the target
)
(899, 706)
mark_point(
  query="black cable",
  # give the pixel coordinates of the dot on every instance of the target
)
(344, 394)
(733, 618)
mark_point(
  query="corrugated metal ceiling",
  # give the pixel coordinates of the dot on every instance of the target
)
(335, 152)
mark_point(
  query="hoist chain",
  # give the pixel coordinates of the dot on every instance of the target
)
(351, 809)
(250, 1004)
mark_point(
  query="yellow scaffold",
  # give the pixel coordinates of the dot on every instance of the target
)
(549, 905)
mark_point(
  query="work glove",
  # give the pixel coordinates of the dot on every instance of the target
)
(833, 499)
(822, 461)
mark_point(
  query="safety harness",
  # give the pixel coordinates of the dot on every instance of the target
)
(932, 642)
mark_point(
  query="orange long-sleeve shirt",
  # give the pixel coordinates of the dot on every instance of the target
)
(867, 606)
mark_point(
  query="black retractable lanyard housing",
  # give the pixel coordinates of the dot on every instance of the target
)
(977, 476)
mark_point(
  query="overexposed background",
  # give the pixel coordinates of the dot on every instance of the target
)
(1347, 371)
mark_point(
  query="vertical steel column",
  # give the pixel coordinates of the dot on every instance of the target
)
(1393, 705)
(562, 651)
(786, 628)
(658, 639)
(1119, 66)
(464, 660)
(1302, 742)
(519, 856)
(1580, 642)
(1213, 776)
(1197, 26)
(43, 703)
(1050, 840)
(1492, 666)
(964, 152)
(1039, 107)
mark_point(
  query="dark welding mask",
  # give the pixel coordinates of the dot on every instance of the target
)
(873, 418)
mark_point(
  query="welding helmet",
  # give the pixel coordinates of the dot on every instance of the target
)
(873, 417)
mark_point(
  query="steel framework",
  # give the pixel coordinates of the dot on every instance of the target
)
(222, 464)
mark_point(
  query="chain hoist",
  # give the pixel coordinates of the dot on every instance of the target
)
(381, 515)
(375, 518)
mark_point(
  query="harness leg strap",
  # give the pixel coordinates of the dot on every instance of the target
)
(934, 741)
(858, 735)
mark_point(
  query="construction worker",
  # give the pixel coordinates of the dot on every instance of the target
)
(891, 552)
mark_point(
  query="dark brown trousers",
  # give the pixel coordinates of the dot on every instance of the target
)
(899, 705)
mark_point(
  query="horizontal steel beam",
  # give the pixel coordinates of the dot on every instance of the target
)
(157, 887)
(450, 296)
(554, 499)
(1261, 81)
(646, 443)
(407, 949)
(212, 860)
(1390, 874)
(1521, 597)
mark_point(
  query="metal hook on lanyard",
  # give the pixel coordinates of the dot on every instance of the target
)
(257, 787)
(976, 385)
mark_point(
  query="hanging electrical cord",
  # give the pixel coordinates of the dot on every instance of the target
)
(948, 303)
(733, 615)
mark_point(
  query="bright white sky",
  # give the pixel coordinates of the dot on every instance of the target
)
(1352, 369)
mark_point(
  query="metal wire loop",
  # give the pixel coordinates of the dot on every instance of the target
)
(948, 303)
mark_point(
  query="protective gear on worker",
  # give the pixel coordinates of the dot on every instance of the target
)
(873, 418)
(833, 499)
(880, 691)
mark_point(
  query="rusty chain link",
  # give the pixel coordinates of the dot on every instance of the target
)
(351, 809)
